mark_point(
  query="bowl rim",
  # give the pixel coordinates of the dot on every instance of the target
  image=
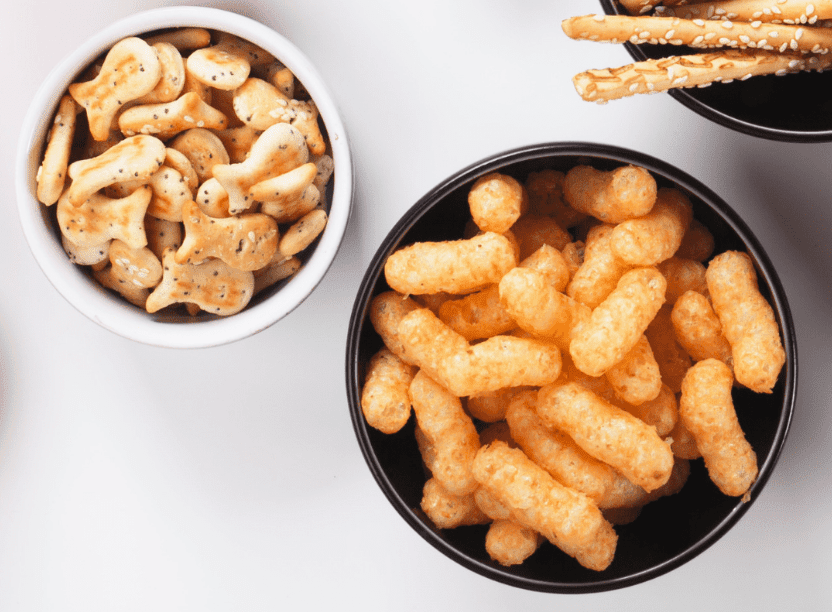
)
(724, 119)
(359, 318)
(111, 311)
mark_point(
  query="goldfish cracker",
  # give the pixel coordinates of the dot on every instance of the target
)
(600, 271)
(708, 413)
(448, 430)
(636, 378)
(747, 321)
(545, 191)
(533, 231)
(673, 360)
(559, 455)
(477, 315)
(496, 201)
(386, 310)
(608, 433)
(654, 237)
(682, 275)
(698, 329)
(459, 266)
(385, 399)
(616, 325)
(447, 510)
(611, 196)
(498, 362)
(510, 543)
(697, 243)
(566, 518)
(539, 309)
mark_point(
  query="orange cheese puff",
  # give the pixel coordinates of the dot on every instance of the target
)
(545, 190)
(433, 301)
(573, 254)
(539, 309)
(600, 271)
(636, 378)
(477, 315)
(682, 275)
(661, 413)
(697, 243)
(608, 433)
(385, 401)
(497, 431)
(455, 266)
(747, 321)
(673, 360)
(495, 363)
(510, 543)
(533, 231)
(708, 412)
(698, 329)
(617, 323)
(551, 263)
(654, 237)
(496, 202)
(612, 196)
(386, 310)
(559, 455)
(622, 515)
(448, 430)
(682, 443)
(567, 518)
(447, 510)
(491, 407)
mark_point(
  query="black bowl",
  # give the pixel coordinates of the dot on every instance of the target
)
(670, 531)
(791, 108)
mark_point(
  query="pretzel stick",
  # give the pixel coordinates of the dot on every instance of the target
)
(696, 70)
(790, 12)
(698, 33)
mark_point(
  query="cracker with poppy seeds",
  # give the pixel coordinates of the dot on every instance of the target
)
(172, 78)
(204, 150)
(100, 218)
(218, 67)
(51, 175)
(167, 119)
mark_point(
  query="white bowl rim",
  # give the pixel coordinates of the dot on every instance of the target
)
(111, 311)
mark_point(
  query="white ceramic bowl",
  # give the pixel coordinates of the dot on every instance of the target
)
(110, 310)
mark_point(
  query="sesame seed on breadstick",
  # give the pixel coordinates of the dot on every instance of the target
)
(652, 76)
(698, 33)
(790, 12)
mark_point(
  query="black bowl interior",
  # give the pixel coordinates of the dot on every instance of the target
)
(791, 108)
(670, 531)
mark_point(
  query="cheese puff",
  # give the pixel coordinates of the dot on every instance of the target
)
(551, 263)
(433, 301)
(559, 455)
(654, 237)
(622, 515)
(384, 399)
(491, 407)
(600, 271)
(457, 266)
(510, 543)
(533, 231)
(496, 201)
(567, 518)
(477, 315)
(698, 329)
(697, 243)
(682, 275)
(489, 504)
(673, 360)
(608, 433)
(661, 413)
(611, 196)
(545, 190)
(708, 412)
(616, 325)
(747, 321)
(449, 432)
(636, 378)
(682, 442)
(573, 254)
(386, 311)
(497, 431)
(539, 309)
(447, 510)
(498, 362)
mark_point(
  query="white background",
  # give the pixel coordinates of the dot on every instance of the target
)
(139, 478)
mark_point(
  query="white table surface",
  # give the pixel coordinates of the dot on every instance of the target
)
(140, 478)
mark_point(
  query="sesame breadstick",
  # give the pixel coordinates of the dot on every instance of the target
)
(698, 33)
(639, 7)
(700, 70)
(790, 12)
